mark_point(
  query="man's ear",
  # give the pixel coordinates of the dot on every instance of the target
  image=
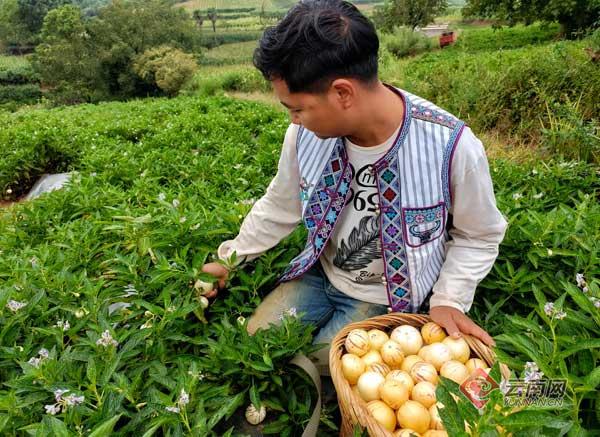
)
(344, 92)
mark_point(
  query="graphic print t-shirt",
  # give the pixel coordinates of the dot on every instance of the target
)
(352, 257)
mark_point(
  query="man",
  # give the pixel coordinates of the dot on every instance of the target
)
(395, 192)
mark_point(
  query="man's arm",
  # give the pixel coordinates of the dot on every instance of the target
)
(273, 217)
(276, 214)
(478, 228)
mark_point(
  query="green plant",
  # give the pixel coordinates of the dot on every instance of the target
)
(165, 67)
(405, 42)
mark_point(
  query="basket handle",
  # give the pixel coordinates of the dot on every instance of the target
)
(308, 366)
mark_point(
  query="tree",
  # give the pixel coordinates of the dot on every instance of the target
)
(96, 55)
(13, 33)
(32, 12)
(166, 68)
(411, 13)
(65, 58)
(574, 16)
(212, 16)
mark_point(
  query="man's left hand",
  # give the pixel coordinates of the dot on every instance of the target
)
(456, 322)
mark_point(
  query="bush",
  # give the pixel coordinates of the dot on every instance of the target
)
(505, 91)
(488, 38)
(18, 75)
(165, 67)
(404, 42)
(27, 93)
(92, 60)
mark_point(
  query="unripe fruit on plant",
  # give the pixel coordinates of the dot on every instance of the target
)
(475, 363)
(436, 354)
(204, 287)
(254, 416)
(436, 420)
(459, 348)
(381, 368)
(410, 361)
(377, 337)
(402, 377)
(394, 393)
(423, 371)
(372, 357)
(369, 384)
(391, 353)
(383, 414)
(352, 367)
(203, 302)
(409, 339)
(357, 342)
(455, 370)
(424, 393)
(432, 333)
(413, 415)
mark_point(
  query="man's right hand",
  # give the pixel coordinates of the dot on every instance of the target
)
(220, 272)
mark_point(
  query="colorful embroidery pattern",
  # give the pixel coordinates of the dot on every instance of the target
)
(423, 225)
(423, 113)
(323, 210)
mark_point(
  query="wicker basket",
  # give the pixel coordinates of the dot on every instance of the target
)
(353, 409)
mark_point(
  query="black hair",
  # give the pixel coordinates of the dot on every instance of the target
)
(317, 42)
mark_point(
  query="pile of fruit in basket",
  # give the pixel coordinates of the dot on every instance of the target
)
(397, 374)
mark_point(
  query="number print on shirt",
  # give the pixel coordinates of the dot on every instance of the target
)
(363, 199)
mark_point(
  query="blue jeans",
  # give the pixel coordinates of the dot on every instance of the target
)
(322, 305)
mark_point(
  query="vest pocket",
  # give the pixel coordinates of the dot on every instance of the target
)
(423, 225)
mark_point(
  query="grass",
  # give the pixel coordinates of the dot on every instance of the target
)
(235, 53)
(13, 62)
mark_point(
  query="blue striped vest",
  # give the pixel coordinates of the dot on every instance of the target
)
(413, 183)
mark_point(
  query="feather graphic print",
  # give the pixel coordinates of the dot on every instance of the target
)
(362, 248)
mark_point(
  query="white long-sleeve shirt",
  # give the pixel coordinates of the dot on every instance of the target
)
(477, 229)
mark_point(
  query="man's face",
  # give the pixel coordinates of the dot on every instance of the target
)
(324, 113)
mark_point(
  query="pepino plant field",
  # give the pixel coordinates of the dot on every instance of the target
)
(102, 331)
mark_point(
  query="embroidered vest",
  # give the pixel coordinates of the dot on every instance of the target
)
(413, 184)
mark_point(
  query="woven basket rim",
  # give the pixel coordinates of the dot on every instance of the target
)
(352, 408)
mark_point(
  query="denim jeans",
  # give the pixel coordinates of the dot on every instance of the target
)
(320, 304)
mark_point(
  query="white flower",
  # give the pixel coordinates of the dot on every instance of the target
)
(9, 191)
(58, 394)
(517, 196)
(172, 409)
(538, 195)
(237, 166)
(93, 174)
(549, 308)
(35, 362)
(74, 400)
(289, 312)
(550, 253)
(585, 289)
(107, 340)
(64, 325)
(595, 301)
(241, 320)
(176, 203)
(182, 219)
(248, 202)
(553, 312)
(52, 409)
(34, 262)
(532, 372)
(162, 197)
(580, 279)
(184, 398)
(15, 306)
(43, 353)
(560, 315)
(534, 171)
(147, 325)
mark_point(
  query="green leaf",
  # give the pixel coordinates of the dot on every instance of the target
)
(255, 396)
(105, 428)
(528, 419)
(449, 414)
(581, 345)
(228, 408)
(58, 427)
